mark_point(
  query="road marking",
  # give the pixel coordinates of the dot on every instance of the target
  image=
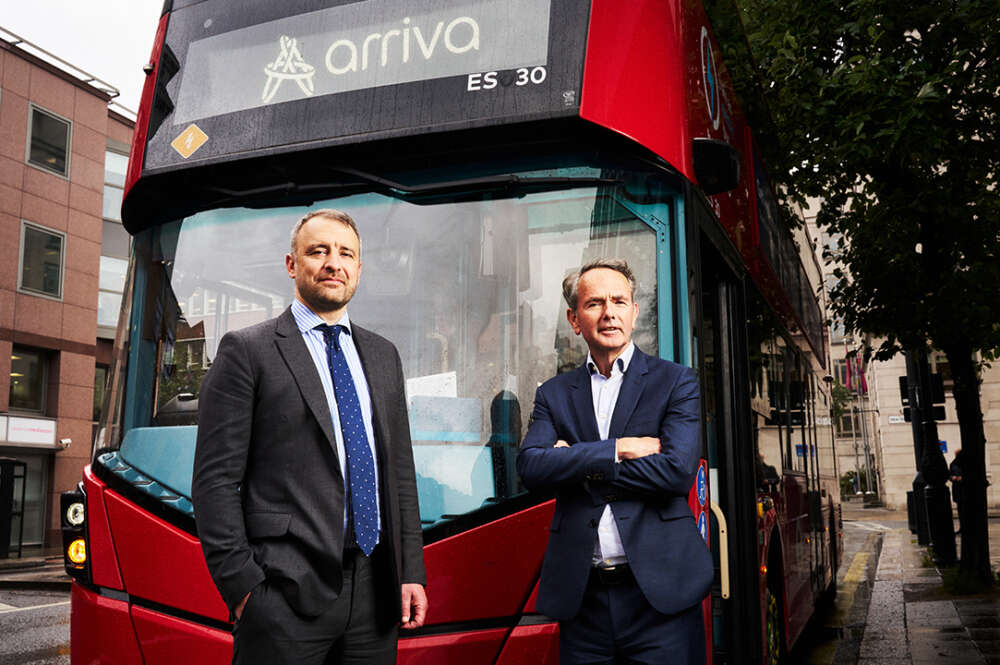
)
(33, 607)
(870, 526)
(6, 607)
(852, 578)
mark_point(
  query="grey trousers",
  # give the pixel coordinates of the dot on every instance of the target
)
(269, 632)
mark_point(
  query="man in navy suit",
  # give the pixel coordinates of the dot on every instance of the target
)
(618, 440)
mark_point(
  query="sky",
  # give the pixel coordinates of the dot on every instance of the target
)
(109, 39)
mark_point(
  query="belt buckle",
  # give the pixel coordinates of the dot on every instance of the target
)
(611, 575)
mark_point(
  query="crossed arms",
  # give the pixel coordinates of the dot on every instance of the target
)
(658, 463)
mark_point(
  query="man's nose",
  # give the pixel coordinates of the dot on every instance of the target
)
(332, 262)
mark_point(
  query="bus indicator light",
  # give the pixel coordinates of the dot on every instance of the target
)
(763, 570)
(77, 551)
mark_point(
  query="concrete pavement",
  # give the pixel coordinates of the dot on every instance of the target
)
(38, 572)
(910, 618)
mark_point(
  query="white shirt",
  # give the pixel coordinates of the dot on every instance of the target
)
(608, 551)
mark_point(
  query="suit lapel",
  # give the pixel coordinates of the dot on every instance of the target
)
(293, 350)
(375, 375)
(628, 397)
(582, 398)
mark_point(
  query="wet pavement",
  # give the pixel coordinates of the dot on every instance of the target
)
(37, 572)
(891, 606)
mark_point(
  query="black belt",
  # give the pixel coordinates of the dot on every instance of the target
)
(612, 575)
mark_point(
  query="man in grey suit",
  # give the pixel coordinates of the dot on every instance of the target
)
(304, 487)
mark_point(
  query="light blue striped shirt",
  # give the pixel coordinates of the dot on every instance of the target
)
(307, 320)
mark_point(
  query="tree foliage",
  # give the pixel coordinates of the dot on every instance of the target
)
(887, 112)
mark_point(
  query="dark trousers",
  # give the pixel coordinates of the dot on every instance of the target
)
(349, 633)
(616, 625)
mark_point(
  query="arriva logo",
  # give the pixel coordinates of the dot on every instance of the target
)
(289, 65)
(459, 36)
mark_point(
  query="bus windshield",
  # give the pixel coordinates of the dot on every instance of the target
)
(466, 285)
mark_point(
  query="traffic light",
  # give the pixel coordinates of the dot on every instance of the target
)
(937, 396)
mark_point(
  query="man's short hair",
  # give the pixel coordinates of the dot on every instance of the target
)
(572, 280)
(328, 213)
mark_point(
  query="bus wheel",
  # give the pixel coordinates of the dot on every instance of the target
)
(775, 638)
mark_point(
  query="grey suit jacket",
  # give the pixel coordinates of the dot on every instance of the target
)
(267, 487)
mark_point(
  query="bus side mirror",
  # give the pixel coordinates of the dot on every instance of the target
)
(716, 165)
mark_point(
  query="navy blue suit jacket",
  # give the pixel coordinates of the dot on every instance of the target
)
(668, 556)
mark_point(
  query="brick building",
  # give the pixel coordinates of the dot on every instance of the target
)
(63, 260)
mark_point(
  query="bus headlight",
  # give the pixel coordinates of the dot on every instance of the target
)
(75, 513)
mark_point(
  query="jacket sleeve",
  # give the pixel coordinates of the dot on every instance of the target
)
(225, 406)
(671, 471)
(541, 465)
(411, 531)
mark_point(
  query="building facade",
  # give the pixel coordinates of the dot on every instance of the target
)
(63, 259)
(874, 420)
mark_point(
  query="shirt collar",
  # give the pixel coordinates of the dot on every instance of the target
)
(306, 319)
(621, 362)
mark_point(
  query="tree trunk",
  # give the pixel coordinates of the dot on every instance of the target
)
(974, 569)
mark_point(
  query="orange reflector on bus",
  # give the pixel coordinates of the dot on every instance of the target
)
(763, 570)
(77, 551)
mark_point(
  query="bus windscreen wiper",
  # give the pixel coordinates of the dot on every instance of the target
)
(505, 185)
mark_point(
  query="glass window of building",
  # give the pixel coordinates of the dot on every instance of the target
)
(114, 245)
(48, 141)
(849, 423)
(837, 330)
(940, 365)
(42, 253)
(115, 165)
(111, 284)
(840, 370)
(27, 380)
(100, 383)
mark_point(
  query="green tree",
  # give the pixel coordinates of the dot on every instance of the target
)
(887, 111)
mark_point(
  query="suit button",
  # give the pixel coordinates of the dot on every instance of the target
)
(610, 497)
(598, 476)
(593, 524)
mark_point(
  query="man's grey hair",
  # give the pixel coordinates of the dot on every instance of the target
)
(572, 280)
(327, 213)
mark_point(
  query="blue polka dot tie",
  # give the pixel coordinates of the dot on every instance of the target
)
(360, 465)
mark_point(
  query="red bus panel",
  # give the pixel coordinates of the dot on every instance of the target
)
(488, 571)
(103, 558)
(472, 648)
(162, 563)
(532, 645)
(167, 640)
(101, 629)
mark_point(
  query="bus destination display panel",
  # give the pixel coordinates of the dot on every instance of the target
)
(262, 80)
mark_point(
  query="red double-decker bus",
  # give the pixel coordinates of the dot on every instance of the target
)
(484, 149)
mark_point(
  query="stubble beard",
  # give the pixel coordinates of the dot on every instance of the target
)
(320, 301)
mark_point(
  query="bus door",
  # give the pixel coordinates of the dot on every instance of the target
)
(717, 300)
